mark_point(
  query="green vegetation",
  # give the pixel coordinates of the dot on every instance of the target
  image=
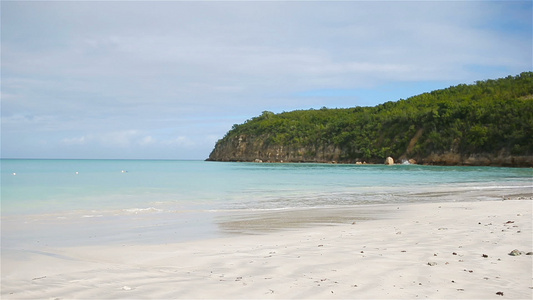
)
(492, 116)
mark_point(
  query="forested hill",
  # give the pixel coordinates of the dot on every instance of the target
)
(486, 123)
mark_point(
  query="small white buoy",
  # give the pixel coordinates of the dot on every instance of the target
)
(14, 173)
(123, 171)
(77, 173)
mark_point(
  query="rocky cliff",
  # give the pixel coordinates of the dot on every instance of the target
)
(253, 149)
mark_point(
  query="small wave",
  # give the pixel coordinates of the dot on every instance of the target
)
(250, 209)
(91, 216)
(141, 210)
(501, 187)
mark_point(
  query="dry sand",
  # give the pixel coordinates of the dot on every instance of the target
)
(435, 250)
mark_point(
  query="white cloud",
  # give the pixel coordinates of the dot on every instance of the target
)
(147, 140)
(74, 140)
(180, 141)
(120, 139)
(128, 139)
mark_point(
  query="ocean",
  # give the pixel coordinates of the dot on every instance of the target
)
(87, 202)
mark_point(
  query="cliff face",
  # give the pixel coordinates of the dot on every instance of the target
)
(254, 149)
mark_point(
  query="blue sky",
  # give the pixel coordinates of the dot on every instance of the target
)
(166, 80)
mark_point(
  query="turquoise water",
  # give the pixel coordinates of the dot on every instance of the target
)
(55, 186)
(187, 196)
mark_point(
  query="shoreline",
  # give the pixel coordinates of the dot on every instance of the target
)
(409, 250)
(420, 162)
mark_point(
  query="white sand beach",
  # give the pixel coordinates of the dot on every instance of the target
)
(435, 250)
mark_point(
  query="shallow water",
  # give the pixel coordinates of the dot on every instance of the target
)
(73, 202)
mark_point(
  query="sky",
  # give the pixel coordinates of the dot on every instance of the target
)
(166, 80)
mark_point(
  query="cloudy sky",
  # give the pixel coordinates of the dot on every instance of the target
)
(166, 80)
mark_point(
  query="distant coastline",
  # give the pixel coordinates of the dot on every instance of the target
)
(483, 124)
(433, 160)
